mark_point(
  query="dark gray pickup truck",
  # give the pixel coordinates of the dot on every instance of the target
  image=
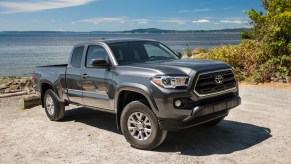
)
(144, 83)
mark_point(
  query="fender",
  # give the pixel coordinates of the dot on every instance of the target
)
(41, 82)
(135, 87)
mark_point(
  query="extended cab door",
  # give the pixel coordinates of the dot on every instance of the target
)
(96, 81)
(73, 76)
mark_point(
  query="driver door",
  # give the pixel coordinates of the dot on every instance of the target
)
(96, 80)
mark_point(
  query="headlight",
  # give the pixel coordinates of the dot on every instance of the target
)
(170, 81)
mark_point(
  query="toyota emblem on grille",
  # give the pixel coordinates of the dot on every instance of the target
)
(218, 79)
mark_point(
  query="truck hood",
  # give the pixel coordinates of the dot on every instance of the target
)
(175, 67)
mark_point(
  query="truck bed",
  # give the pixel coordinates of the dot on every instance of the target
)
(57, 65)
(50, 73)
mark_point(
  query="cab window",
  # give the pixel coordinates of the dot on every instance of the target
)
(96, 52)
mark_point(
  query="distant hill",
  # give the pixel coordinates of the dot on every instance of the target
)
(155, 30)
(150, 30)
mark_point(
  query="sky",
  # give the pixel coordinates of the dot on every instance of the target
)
(120, 15)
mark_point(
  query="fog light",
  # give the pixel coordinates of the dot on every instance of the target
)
(178, 103)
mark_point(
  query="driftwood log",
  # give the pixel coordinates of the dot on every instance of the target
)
(30, 101)
(13, 94)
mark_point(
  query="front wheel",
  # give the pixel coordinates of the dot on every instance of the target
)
(54, 109)
(140, 126)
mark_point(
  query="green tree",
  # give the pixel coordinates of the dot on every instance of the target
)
(247, 34)
(272, 30)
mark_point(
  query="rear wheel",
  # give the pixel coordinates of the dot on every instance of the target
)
(140, 126)
(54, 109)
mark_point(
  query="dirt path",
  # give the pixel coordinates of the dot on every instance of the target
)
(258, 131)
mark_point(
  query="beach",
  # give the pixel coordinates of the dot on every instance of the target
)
(255, 132)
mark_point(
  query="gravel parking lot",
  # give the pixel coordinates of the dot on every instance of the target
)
(258, 131)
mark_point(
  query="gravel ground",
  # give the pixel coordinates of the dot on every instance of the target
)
(258, 131)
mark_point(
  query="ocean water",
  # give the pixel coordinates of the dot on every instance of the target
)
(21, 52)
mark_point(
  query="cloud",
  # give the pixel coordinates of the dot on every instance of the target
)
(142, 21)
(178, 21)
(9, 7)
(194, 10)
(248, 26)
(201, 21)
(114, 20)
(237, 21)
(104, 20)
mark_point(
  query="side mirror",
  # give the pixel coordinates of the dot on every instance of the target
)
(99, 62)
(179, 54)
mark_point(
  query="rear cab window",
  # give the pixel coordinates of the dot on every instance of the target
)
(76, 58)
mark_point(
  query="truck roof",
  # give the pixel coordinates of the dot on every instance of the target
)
(116, 40)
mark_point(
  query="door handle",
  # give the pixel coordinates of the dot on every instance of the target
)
(85, 75)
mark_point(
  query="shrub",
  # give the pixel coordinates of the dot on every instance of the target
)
(242, 57)
(268, 55)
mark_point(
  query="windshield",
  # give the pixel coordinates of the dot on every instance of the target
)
(141, 52)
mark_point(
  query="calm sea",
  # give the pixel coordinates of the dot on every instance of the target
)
(20, 53)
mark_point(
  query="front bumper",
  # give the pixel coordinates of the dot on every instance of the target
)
(201, 114)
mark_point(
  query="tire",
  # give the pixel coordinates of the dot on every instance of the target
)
(140, 127)
(54, 109)
(213, 122)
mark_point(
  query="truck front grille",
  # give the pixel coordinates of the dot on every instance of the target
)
(215, 82)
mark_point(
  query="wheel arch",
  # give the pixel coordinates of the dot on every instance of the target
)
(46, 85)
(124, 96)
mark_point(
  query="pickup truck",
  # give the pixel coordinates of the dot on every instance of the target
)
(149, 88)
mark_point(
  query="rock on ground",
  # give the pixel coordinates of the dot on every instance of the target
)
(15, 84)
